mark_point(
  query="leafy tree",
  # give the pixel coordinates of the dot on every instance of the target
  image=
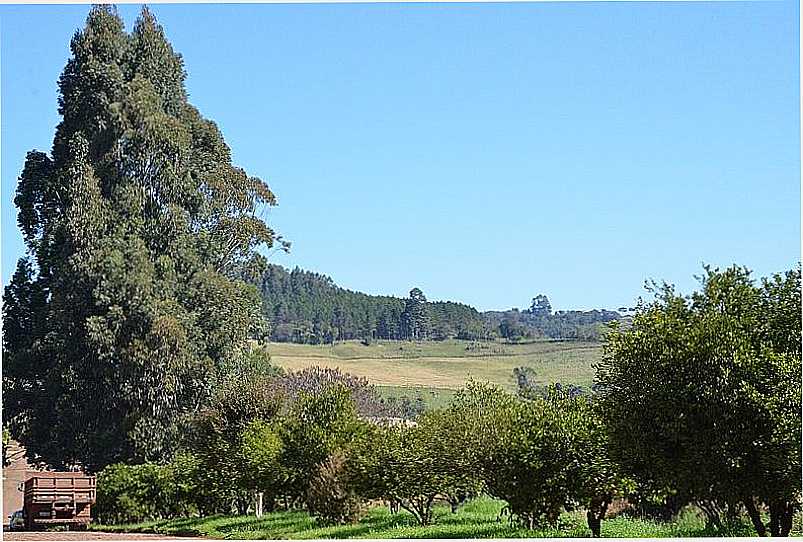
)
(136, 224)
(318, 425)
(541, 306)
(458, 473)
(411, 465)
(527, 467)
(401, 464)
(595, 479)
(231, 437)
(542, 455)
(511, 330)
(261, 449)
(702, 394)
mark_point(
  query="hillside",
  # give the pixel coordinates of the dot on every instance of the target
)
(309, 308)
(445, 366)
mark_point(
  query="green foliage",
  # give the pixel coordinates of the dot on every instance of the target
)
(306, 307)
(478, 519)
(702, 394)
(411, 465)
(540, 322)
(530, 466)
(261, 449)
(317, 426)
(398, 464)
(415, 320)
(540, 455)
(127, 307)
(232, 437)
(128, 493)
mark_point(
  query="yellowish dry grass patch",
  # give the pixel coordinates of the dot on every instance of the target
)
(446, 365)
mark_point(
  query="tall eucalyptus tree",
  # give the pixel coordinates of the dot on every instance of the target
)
(126, 306)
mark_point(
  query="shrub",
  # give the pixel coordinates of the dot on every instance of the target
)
(411, 465)
(225, 481)
(318, 426)
(541, 455)
(134, 493)
(331, 495)
(261, 449)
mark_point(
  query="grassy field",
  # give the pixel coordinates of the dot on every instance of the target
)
(478, 519)
(445, 365)
(432, 397)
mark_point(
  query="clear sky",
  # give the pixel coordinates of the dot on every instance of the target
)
(482, 152)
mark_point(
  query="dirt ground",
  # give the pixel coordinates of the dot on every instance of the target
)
(80, 536)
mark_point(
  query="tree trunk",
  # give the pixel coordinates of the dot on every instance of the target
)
(595, 515)
(713, 514)
(594, 523)
(781, 515)
(755, 517)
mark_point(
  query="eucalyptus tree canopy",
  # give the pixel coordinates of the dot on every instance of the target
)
(126, 306)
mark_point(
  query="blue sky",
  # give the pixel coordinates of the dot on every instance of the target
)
(482, 152)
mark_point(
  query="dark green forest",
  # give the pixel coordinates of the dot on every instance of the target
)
(308, 307)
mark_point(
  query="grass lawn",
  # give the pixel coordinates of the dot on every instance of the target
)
(477, 519)
(445, 365)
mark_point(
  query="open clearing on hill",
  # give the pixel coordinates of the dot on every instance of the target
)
(445, 365)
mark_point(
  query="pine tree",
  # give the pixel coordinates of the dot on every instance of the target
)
(127, 307)
(416, 319)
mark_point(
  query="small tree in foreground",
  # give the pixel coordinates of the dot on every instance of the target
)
(317, 427)
(542, 455)
(702, 394)
(331, 495)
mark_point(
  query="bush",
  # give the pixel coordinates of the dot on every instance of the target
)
(134, 493)
(411, 465)
(331, 496)
(225, 479)
(260, 451)
(318, 426)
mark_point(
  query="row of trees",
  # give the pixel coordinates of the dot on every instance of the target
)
(307, 307)
(697, 403)
(539, 322)
(316, 451)
(262, 430)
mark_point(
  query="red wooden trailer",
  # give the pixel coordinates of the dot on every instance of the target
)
(58, 498)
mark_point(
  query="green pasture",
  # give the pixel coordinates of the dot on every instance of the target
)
(445, 365)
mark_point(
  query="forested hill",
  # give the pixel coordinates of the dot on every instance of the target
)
(308, 307)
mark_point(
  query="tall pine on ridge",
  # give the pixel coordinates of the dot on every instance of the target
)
(137, 224)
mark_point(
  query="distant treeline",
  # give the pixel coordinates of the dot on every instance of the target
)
(514, 324)
(307, 307)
